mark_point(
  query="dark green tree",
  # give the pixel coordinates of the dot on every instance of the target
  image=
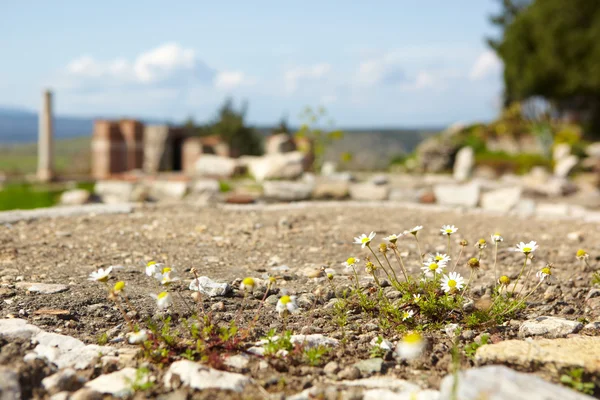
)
(551, 48)
(230, 126)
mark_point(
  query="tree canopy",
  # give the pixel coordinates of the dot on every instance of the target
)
(551, 48)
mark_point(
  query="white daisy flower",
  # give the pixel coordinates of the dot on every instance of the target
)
(393, 238)
(166, 276)
(452, 282)
(414, 230)
(527, 248)
(364, 240)
(582, 255)
(381, 343)
(153, 268)
(248, 284)
(286, 305)
(137, 337)
(448, 230)
(439, 257)
(407, 315)
(350, 262)
(163, 300)
(431, 268)
(101, 275)
(416, 298)
(544, 273)
(411, 346)
(496, 238)
(481, 244)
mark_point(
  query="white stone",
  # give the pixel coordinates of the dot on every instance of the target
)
(331, 190)
(215, 166)
(552, 327)
(384, 345)
(279, 143)
(66, 351)
(561, 151)
(328, 168)
(168, 190)
(17, 329)
(275, 166)
(198, 376)
(457, 194)
(552, 210)
(498, 382)
(501, 199)
(74, 197)
(288, 190)
(369, 192)
(524, 208)
(593, 150)
(563, 167)
(205, 186)
(463, 164)
(379, 179)
(238, 361)
(207, 286)
(9, 217)
(386, 394)
(9, 384)
(42, 288)
(314, 340)
(65, 379)
(118, 384)
(114, 192)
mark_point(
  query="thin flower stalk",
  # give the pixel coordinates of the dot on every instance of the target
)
(520, 273)
(380, 264)
(458, 258)
(495, 261)
(400, 261)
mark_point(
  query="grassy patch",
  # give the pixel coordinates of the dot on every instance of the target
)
(26, 196)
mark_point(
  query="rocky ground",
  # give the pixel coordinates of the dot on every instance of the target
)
(61, 338)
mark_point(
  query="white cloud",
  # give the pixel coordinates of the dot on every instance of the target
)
(169, 64)
(293, 76)
(487, 64)
(232, 79)
(383, 70)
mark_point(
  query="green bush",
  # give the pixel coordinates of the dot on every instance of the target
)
(503, 162)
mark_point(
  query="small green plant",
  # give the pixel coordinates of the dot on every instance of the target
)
(377, 351)
(142, 380)
(102, 339)
(471, 348)
(321, 137)
(574, 378)
(596, 278)
(314, 355)
(275, 343)
(224, 187)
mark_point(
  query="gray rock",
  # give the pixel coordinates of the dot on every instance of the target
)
(61, 396)
(314, 340)
(279, 143)
(66, 351)
(331, 368)
(551, 327)
(208, 287)
(331, 190)
(275, 166)
(499, 382)
(405, 194)
(203, 186)
(552, 209)
(450, 330)
(198, 376)
(64, 380)
(379, 179)
(118, 384)
(16, 328)
(370, 366)
(86, 394)
(9, 217)
(328, 168)
(74, 197)
(457, 194)
(551, 355)
(42, 288)
(369, 192)
(524, 208)
(214, 166)
(463, 164)
(237, 361)
(435, 154)
(9, 384)
(114, 192)
(288, 190)
(386, 394)
(167, 190)
(502, 200)
(563, 167)
(349, 373)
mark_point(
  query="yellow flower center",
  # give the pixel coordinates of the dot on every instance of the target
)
(439, 258)
(285, 299)
(451, 283)
(433, 266)
(162, 295)
(406, 315)
(546, 271)
(351, 261)
(448, 230)
(496, 235)
(103, 278)
(581, 253)
(412, 338)
(151, 263)
(248, 281)
(365, 240)
(119, 286)
(526, 249)
(505, 280)
(165, 270)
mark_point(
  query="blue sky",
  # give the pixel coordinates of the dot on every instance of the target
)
(380, 63)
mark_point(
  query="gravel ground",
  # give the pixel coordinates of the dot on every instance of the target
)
(230, 243)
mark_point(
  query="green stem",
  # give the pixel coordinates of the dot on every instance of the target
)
(401, 262)
(519, 277)
(523, 300)
(449, 246)
(380, 264)
(419, 247)
(468, 282)
(495, 260)
(391, 268)
(458, 259)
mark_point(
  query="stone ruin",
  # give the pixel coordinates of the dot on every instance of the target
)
(123, 146)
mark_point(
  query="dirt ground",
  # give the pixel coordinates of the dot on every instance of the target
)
(230, 244)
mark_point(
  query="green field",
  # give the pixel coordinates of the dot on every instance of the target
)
(71, 158)
(26, 196)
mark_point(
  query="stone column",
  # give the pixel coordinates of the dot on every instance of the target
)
(45, 171)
